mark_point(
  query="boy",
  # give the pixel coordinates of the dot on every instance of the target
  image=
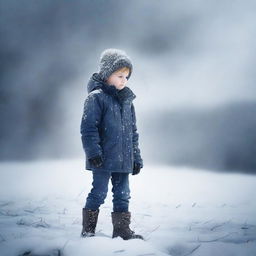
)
(110, 141)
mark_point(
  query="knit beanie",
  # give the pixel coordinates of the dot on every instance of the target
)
(111, 60)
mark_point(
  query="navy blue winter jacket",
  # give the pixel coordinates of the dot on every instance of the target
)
(108, 127)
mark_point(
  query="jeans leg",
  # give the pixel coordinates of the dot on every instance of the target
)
(99, 190)
(121, 191)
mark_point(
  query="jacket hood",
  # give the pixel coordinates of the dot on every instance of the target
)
(95, 82)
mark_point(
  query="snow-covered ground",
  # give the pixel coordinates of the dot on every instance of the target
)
(180, 211)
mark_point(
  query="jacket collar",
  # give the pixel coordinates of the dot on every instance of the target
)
(95, 82)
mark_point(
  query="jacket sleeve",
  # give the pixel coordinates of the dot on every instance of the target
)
(135, 138)
(90, 123)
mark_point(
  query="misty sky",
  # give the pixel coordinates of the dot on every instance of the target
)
(206, 52)
(186, 54)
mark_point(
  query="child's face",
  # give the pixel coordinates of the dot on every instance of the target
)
(118, 79)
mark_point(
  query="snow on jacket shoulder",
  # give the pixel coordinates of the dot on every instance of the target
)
(108, 127)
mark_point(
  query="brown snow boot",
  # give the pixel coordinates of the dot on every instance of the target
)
(121, 222)
(90, 218)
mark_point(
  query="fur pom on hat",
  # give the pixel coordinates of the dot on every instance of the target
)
(111, 60)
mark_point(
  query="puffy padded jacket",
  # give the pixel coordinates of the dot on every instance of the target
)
(108, 127)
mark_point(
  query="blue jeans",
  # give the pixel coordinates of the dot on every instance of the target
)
(120, 189)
